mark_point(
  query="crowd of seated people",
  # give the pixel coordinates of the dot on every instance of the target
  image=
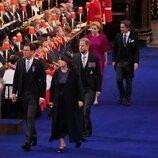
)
(50, 37)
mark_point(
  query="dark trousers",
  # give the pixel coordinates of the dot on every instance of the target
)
(88, 101)
(30, 107)
(123, 71)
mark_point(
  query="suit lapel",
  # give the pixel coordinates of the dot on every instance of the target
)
(21, 69)
(32, 69)
(79, 62)
(121, 39)
(129, 38)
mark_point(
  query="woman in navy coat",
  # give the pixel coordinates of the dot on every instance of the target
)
(66, 99)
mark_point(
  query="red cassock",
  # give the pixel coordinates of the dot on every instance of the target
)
(94, 13)
(106, 6)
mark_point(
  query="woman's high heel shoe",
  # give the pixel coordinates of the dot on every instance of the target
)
(61, 148)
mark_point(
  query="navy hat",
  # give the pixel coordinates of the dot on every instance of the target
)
(67, 58)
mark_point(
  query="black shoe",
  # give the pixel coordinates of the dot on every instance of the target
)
(88, 134)
(33, 142)
(26, 146)
(83, 139)
(78, 144)
(120, 100)
(127, 102)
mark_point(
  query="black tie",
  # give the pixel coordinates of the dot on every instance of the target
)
(124, 40)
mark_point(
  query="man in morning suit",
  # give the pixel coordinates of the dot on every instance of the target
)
(30, 85)
(125, 60)
(89, 69)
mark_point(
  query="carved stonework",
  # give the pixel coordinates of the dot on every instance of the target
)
(154, 9)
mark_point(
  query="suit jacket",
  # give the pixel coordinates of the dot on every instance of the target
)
(6, 19)
(37, 79)
(93, 73)
(131, 48)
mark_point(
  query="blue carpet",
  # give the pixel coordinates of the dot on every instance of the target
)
(118, 131)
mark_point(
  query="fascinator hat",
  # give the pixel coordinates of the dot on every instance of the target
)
(67, 58)
(96, 23)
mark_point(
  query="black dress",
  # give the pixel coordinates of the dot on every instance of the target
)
(62, 118)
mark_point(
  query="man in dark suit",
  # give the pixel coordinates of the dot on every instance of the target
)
(7, 16)
(125, 60)
(88, 68)
(30, 85)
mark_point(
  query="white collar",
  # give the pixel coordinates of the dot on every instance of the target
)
(30, 61)
(85, 55)
(127, 34)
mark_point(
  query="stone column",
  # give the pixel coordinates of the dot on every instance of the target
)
(141, 18)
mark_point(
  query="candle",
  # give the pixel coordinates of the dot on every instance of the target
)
(64, 20)
(13, 9)
(54, 17)
(19, 40)
(6, 47)
(72, 15)
(13, 2)
(32, 4)
(80, 10)
(1, 11)
(72, 23)
(104, 21)
(40, 5)
(31, 30)
(80, 18)
(43, 23)
(19, 37)
(48, 4)
(1, 7)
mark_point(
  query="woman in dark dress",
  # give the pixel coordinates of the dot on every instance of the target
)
(66, 99)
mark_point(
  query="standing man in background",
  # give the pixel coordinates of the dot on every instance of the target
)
(107, 19)
(30, 85)
(94, 13)
(88, 68)
(125, 60)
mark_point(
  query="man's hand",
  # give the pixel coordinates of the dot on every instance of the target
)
(41, 100)
(113, 63)
(97, 94)
(13, 98)
(136, 66)
(80, 103)
(51, 104)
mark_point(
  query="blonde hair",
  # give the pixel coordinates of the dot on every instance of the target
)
(96, 23)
